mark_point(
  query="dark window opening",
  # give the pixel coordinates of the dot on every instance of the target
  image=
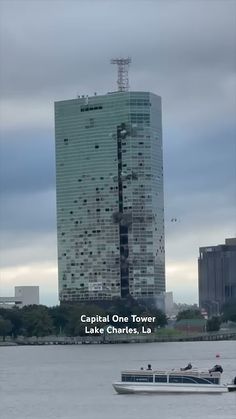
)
(90, 108)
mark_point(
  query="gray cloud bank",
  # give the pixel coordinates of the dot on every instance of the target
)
(184, 51)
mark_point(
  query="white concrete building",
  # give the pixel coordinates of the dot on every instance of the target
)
(27, 295)
(24, 296)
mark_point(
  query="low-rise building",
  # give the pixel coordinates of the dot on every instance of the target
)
(191, 325)
(24, 296)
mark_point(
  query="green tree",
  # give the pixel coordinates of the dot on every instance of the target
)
(125, 307)
(15, 316)
(229, 311)
(213, 324)
(60, 316)
(74, 326)
(189, 314)
(161, 319)
(5, 327)
(37, 321)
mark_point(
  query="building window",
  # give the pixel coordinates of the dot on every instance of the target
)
(90, 108)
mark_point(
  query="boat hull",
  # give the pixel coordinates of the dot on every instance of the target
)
(136, 388)
(231, 387)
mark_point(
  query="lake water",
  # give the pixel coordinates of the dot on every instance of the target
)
(74, 382)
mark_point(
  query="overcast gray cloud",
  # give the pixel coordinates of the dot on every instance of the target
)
(27, 161)
(182, 50)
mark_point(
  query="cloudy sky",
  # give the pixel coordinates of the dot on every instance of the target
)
(182, 50)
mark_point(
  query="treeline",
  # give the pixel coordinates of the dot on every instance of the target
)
(65, 320)
(213, 324)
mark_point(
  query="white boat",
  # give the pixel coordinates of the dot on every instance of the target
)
(170, 381)
(232, 386)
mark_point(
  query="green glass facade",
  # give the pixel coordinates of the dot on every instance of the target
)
(110, 210)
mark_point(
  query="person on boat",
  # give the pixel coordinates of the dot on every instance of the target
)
(188, 367)
(216, 368)
(149, 368)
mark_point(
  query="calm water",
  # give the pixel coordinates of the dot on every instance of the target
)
(68, 382)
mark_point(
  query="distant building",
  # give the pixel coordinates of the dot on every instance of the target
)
(217, 276)
(24, 296)
(27, 295)
(169, 303)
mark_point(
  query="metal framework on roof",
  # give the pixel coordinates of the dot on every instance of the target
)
(123, 77)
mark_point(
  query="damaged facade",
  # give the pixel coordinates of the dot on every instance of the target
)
(110, 210)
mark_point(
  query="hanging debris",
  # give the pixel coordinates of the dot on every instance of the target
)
(124, 219)
(116, 217)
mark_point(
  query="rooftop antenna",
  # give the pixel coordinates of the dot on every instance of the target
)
(123, 78)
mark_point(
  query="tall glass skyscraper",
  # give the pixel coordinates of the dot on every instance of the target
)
(110, 210)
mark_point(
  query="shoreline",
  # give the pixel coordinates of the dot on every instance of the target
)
(115, 339)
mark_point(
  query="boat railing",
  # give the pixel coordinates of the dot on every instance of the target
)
(194, 371)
